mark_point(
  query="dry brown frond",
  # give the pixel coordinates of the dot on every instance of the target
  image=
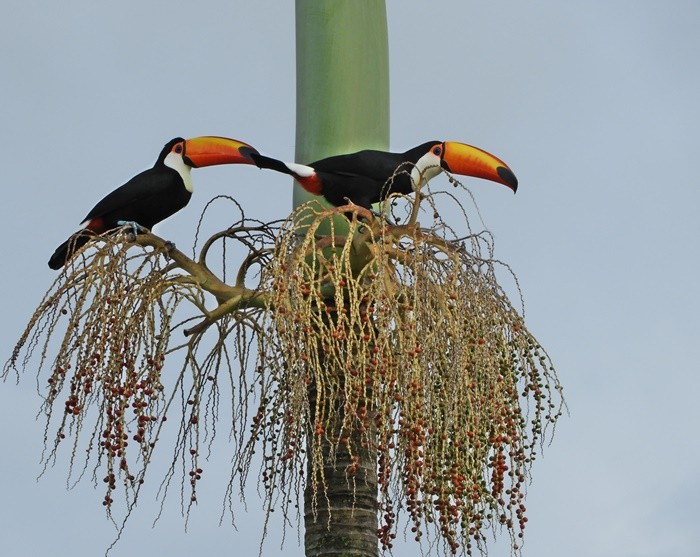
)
(109, 318)
(404, 337)
(370, 338)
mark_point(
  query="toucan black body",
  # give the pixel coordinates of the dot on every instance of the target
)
(370, 176)
(157, 193)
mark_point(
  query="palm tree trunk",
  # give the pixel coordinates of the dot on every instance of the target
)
(342, 79)
(341, 518)
(342, 106)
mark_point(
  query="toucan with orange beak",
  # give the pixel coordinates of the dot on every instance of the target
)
(156, 193)
(367, 177)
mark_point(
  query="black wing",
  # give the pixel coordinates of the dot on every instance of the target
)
(148, 198)
(376, 165)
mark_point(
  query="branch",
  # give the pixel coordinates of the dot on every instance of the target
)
(230, 298)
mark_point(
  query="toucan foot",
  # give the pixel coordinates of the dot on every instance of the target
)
(136, 228)
(380, 215)
(169, 248)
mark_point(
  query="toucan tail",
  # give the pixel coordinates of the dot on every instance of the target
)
(66, 250)
(305, 176)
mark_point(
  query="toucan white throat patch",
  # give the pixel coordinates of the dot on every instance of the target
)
(175, 161)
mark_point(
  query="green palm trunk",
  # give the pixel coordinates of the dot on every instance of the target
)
(342, 79)
(342, 106)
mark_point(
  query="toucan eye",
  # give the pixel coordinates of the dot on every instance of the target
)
(437, 150)
(178, 148)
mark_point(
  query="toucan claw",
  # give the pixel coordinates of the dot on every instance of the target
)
(136, 228)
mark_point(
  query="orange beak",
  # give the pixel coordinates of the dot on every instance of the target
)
(210, 150)
(466, 160)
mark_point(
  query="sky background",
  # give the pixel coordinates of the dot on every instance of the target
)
(593, 104)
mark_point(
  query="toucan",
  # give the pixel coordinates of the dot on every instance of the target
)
(156, 193)
(365, 177)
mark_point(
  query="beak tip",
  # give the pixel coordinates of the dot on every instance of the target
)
(509, 179)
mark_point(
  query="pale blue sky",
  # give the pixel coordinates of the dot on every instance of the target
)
(593, 104)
